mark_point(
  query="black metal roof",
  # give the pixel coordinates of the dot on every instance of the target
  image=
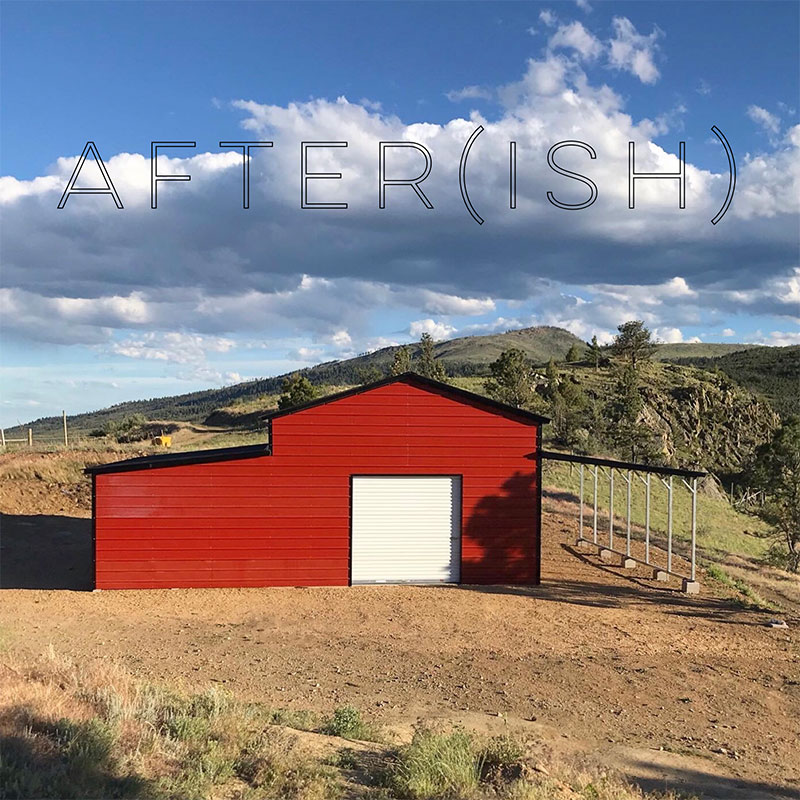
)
(180, 459)
(425, 383)
(608, 462)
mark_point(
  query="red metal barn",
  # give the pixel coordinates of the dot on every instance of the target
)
(404, 480)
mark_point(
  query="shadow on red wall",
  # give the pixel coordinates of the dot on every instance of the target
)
(504, 530)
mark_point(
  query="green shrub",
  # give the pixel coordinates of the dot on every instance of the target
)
(437, 765)
(346, 722)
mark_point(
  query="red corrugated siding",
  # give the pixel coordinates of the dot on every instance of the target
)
(284, 519)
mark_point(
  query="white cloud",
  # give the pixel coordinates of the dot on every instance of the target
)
(780, 338)
(438, 330)
(584, 6)
(200, 264)
(668, 335)
(703, 88)
(728, 332)
(575, 37)
(174, 347)
(549, 18)
(469, 93)
(634, 52)
(769, 122)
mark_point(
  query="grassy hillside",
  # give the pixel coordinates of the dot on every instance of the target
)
(464, 356)
(773, 372)
(709, 350)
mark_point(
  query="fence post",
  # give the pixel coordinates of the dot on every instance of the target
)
(628, 511)
(669, 526)
(30, 437)
(66, 441)
(647, 520)
(594, 518)
(694, 524)
(580, 533)
(611, 509)
(3, 436)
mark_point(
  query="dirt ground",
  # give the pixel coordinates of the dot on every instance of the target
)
(600, 663)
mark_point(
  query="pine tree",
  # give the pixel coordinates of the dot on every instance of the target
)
(428, 365)
(631, 437)
(595, 353)
(513, 380)
(551, 373)
(776, 470)
(295, 391)
(402, 361)
(573, 354)
(370, 374)
(633, 343)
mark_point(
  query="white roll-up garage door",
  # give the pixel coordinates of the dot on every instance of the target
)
(406, 529)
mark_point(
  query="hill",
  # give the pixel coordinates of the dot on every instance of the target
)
(468, 355)
(767, 371)
(671, 352)
(773, 372)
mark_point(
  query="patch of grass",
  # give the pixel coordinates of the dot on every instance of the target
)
(437, 765)
(289, 718)
(347, 723)
(747, 596)
(63, 759)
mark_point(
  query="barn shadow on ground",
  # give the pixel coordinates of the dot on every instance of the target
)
(46, 552)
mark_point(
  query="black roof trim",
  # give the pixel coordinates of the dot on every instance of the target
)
(607, 462)
(181, 459)
(427, 383)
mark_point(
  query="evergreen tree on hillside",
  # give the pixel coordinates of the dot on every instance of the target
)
(568, 407)
(633, 343)
(551, 373)
(776, 470)
(513, 380)
(573, 354)
(629, 435)
(595, 353)
(402, 361)
(367, 375)
(428, 365)
(295, 391)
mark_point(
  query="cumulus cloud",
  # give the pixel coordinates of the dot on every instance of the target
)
(438, 330)
(575, 37)
(634, 52)
(200, 264)
(548, 17)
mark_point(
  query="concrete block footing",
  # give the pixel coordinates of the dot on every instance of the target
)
(690, 587)
(629, 563)
(609, 556)
(582, 544)
(660, 575)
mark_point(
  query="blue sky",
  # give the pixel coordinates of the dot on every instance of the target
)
(101, 305)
